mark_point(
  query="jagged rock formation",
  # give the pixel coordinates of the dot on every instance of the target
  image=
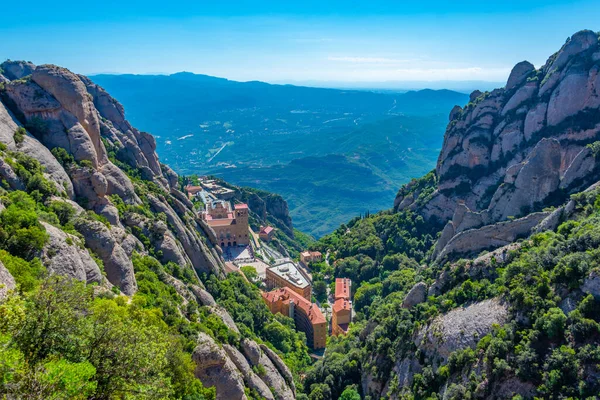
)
(64, 110)
(519, 148)
(109, 168)
(416, 295)
(7, 282)
(227, 369)
(271, 376)
(65, 255)
(214, 368)
(458, 329)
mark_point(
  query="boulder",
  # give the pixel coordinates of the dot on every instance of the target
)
(7, 174)
(519, 74)
(33, 148)
(491, 236)
(542, 168)
(271, 375)
(460, 328)
(65, 255)
(251, 350)
(215, 369)
(17, 69)
(579, 42)
(7, 282)
(581, 167)
(416, 295)
(225, 317)
(591, 285)
(281, 367)
(252, 380)
(204, 298)
(72, 94)
(118, 266)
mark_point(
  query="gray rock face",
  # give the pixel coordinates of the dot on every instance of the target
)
(215, 369)
(460, 328)
(7, 282)
(271, 376)
(520, 148)
(416, 295)
(63, 255)
(70, 91)
(518, 74)
(69, 111)
(491, 236)
(591, 285)
(17, 69)
(195, 248)
(281, 367)
(204, 298)
(252, 380)
(118, 267)
(32, 147)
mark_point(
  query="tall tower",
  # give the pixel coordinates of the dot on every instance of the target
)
(240, 229)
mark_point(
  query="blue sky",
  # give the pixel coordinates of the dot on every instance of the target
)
(288, 41)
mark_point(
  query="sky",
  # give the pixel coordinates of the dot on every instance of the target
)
(295, 41)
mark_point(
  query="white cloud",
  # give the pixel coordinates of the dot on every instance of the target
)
(370, 60)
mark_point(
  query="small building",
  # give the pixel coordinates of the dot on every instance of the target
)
(286, 274)
(266, 233)
(192, 191)
(342, 307)
(307, 257)
(230, 225)
(217, 190)
(341, 317)
(307, 316)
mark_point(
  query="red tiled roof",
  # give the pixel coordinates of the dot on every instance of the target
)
(219, 222)
(342, 288)
(242, 206)
(341, 304)
(193, 189)
(266, 230)
(230, 267)
(286, 294)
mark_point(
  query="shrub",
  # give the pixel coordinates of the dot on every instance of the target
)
(64, 158)
(19, 135)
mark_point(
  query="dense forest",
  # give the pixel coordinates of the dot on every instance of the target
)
(544, 342)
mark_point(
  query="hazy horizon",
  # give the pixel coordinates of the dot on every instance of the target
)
(300, 42)
(392, 86)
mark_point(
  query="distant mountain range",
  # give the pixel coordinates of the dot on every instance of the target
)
(401, 86)
(329, 152)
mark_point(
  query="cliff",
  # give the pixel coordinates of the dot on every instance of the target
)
(109, 214)
(517, 149)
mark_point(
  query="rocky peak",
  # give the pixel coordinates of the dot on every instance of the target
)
(17, 69)
(62, 110)
(520, 148)
(519, 73)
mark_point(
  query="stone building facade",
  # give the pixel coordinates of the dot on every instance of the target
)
(230, 224)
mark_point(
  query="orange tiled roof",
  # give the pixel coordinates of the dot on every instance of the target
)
(341, 304)
(286, 294)
(342, 288)
(242, 206)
